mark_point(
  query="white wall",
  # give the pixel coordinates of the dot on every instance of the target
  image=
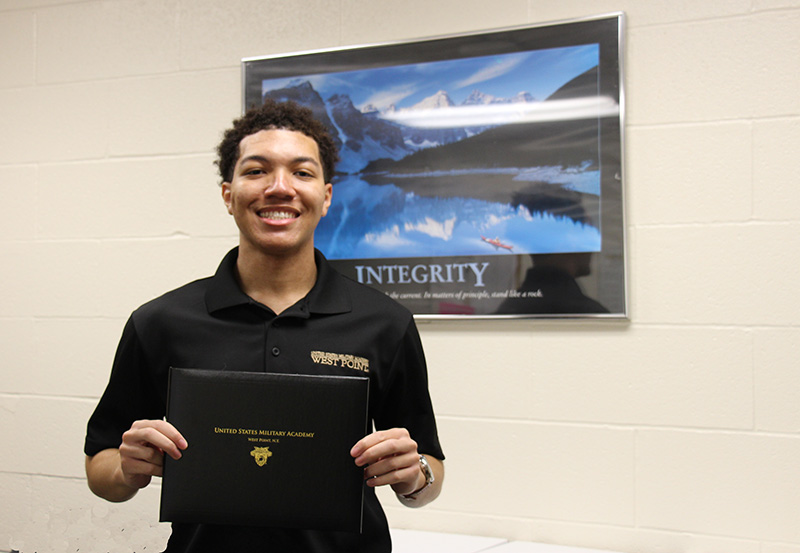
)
(677, 432)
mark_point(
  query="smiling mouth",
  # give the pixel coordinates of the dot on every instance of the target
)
(270, 214)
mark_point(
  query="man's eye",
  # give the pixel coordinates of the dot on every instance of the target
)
(254, 172)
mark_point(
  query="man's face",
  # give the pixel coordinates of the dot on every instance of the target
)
(277, 194)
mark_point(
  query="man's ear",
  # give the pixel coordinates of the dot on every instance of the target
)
(226, 196)
(328, 197)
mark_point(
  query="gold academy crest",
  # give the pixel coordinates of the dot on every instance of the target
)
(261, 455)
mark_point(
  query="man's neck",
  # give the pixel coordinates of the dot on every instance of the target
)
(276, 281)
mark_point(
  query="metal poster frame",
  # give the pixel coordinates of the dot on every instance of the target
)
(481, 174)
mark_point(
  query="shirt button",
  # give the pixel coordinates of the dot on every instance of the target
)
(276, 351)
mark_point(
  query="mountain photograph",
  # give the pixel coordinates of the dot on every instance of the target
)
(451, 158)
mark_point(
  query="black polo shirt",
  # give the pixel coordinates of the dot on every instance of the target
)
(341, 327)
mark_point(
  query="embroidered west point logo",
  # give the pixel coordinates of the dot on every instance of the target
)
(261, 455)
(340, 360)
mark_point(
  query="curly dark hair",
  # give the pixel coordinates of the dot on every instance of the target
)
(276, 115)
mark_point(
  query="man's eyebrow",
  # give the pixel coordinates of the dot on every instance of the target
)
(306, 159)
(263, 159)
(260, 159)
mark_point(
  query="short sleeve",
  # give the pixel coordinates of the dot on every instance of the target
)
(406, 400)
(130, 395)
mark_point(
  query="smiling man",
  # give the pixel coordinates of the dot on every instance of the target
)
(274, 305)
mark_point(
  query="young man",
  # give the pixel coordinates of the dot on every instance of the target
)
(273, 301)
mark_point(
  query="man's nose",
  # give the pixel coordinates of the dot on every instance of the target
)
(280, 183)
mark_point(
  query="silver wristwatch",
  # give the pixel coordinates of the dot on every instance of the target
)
(425, 467)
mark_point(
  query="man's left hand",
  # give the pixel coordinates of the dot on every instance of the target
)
(390, 457)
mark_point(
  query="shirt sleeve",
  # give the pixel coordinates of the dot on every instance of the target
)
(129, 396)
(406, 400)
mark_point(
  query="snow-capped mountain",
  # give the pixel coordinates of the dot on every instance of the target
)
(365, 138)
(521, 97)
(478, 98)
(361, 137)
(439, 100)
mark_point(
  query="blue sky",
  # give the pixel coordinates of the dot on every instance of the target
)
(538, 72)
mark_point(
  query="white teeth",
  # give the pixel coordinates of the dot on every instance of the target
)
(276, 215)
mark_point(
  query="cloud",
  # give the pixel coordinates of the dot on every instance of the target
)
(388, 239)
(433, 228)
(494, 70)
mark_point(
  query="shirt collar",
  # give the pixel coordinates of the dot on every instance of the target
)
(328, 296)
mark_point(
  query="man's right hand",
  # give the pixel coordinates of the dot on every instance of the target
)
(143, 447)
(117, 474)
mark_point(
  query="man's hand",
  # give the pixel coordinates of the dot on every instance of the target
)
(390, 457)
(117, 474)
(141, 453)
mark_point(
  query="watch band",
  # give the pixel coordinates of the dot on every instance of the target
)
(425, 467)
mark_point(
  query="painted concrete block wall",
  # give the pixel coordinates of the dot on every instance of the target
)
(677, 431)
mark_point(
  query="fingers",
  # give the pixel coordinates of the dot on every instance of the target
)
(154, 434)
(143, 447)
(393, 470)
(390, 458)
(383, 443)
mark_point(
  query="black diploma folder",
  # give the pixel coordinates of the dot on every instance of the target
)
(266, 450)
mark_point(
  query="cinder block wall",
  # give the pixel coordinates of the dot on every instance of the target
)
(679, 431)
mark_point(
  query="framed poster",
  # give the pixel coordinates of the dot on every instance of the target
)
(480, 174)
